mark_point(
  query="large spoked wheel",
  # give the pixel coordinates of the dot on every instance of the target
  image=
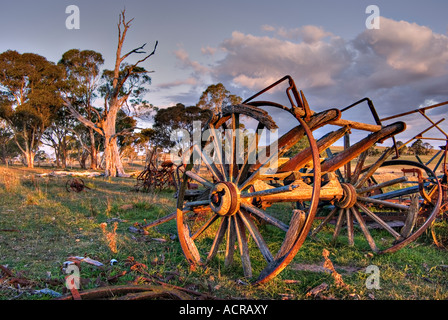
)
(227, 216)
(391, 202)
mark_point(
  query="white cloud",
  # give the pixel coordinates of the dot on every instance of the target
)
(253, 61)
(168, 85)
(208, 51)
(267, 27)
(407, 47)
(308, 33)
(183, 57)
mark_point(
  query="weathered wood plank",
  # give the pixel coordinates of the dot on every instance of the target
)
(411, 217)
(296, 224)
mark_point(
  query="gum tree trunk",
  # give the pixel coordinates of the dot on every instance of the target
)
(114, 166)
(93, 153)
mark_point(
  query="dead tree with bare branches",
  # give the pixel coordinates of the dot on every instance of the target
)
(124, 83)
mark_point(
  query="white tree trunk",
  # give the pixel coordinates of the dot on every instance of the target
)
(114, 166)
(29, 156)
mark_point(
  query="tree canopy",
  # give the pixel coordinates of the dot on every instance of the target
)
(216, 96)
(29, 85)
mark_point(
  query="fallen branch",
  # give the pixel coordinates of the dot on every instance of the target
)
(204, 296)
(135, 292)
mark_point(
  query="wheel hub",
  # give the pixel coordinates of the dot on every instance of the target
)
(225, 198)
(349, 198)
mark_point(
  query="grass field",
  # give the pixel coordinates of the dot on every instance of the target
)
(42, 225)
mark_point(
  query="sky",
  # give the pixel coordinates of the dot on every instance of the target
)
(248, 44)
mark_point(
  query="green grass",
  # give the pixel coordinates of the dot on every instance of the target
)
(47, 225)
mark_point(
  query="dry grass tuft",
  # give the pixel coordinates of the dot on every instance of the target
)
(111, 237)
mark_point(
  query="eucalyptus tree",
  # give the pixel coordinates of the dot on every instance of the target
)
(123, 86)
(83, 73)
(177, 118)
(8, 148)
(29, 88)
(216, 96)
(58, 134)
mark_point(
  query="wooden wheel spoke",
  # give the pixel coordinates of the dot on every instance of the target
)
(358, 168)
(383, 203)
(266, 217)
(337, 171)
(210, 166)
(192, 204)
(411, 218)
(371, 170)
(251, 151)
(232, 147)
(242, 244)
(364, 229)
(185, 237)
(231, 239)
(339, 222)
(204, 226)
(199, 179)
(378, 220)
(324, 221)
(218, 239)
(350, 229)
(218, 149)
(348, 165)
(255, 233)
(258, 171)
(382, 185)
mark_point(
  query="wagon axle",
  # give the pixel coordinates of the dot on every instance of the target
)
(224, 198)
(349, 198)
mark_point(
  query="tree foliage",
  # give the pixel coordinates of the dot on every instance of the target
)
(418, 147)
(8, 147)
(215, 97)
(29, 86)
(83, 75)
(178, 117)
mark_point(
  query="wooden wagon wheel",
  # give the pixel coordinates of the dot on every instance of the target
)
(392, 202)
(75, 185)
(226, 211)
